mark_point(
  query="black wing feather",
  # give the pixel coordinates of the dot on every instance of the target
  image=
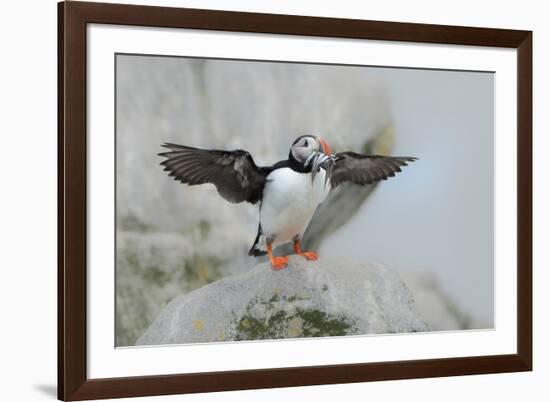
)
(365, 169)
(234, 173)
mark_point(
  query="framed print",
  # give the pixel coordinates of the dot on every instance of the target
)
(253, 200)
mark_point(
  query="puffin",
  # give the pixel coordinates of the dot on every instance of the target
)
(288, 192)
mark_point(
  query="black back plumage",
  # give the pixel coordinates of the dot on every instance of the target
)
(365, 169)
(234, 173)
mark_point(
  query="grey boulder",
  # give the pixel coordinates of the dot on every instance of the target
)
(327, 297)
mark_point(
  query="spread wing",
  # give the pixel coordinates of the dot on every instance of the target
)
(365, 169)
(234, 173)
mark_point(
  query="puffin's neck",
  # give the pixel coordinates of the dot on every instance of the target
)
(297, 166)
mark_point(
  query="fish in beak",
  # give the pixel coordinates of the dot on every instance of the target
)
(323, 159)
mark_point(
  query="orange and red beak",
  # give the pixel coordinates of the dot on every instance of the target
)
(325, 148)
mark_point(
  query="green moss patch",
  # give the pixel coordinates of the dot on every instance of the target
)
(279, 318)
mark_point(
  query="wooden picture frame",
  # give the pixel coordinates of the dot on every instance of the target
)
(73, 17)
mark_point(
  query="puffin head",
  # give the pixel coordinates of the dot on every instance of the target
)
(306, 145)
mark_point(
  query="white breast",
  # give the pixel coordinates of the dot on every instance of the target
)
(288, 203)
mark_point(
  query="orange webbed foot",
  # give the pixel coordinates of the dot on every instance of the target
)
(278, 263)
(310, 255)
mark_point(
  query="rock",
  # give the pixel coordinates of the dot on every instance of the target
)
(327, 297)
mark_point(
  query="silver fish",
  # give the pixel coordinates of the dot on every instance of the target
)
(320, 160)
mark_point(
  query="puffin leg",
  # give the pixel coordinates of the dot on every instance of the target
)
(277, 263)
(309, 255)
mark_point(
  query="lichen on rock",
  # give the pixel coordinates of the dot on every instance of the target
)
(327, 297)
(288, 317)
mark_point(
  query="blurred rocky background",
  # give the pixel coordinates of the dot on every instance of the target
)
(172, 239)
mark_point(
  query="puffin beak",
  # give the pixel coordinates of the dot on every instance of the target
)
(325, 148)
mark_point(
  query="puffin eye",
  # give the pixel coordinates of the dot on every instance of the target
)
(305, 143)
